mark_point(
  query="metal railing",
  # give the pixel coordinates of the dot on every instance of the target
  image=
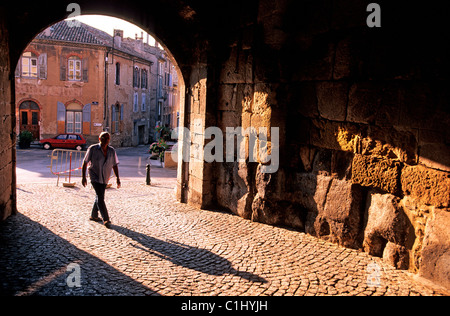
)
(66, 163)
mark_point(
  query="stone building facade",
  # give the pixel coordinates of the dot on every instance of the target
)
(362, 112)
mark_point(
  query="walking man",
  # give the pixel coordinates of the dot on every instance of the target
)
(102, 159)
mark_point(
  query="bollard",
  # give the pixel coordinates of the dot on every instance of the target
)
(148, 181)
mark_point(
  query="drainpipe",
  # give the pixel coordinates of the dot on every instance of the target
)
(105, 105)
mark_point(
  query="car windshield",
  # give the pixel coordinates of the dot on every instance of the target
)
(61, 137)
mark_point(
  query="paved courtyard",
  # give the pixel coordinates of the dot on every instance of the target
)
(157, 246)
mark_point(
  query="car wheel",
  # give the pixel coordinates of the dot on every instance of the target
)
(47, 146)
(79, 148)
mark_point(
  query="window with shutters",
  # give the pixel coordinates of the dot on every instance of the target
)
(74, 69)
(29, 65)
(74, 118)
(32, 66)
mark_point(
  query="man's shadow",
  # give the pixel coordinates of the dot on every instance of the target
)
(194, 258)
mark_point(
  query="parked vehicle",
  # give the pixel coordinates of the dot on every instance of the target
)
(74, 141)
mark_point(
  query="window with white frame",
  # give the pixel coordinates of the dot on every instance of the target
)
(74, 118)
(29, 65)
(74, 67)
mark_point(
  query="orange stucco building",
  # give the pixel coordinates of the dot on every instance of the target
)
(77, 79)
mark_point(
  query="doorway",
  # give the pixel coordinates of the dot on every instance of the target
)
(141, 134)
(29, 115)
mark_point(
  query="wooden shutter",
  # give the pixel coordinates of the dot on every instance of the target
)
(42, 66)
(85, 66)
(87, 119)
(62, 68)
(61, 117)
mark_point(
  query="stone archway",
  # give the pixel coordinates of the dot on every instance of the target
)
(362, 113)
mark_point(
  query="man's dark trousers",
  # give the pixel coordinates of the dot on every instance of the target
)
(99, 204)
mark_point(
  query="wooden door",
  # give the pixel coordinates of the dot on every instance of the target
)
(29, 118)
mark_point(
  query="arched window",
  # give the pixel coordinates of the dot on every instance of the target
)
(144, 79)
(136, 77)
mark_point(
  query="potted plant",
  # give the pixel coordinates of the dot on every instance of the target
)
(165, 132)
(25, 139)
(158, 148)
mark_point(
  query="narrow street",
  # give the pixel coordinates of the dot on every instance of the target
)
(33, 165)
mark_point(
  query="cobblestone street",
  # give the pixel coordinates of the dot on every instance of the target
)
(157, 246)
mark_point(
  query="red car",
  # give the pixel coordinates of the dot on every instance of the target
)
(74, 141)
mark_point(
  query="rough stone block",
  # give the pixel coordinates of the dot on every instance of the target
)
(332, 100)
(283, 213)
(363, 102)
(273, 202)
(227, 97)
(396, 255)
(302, 98)
(333, 135)
(233, 190)
(310, 191)
(376, 173)
(435, 155)
(342, 212)
(435, 263)
(333, 207)
(431, 186)
(388, 231)
(390, 143)
(307, 156)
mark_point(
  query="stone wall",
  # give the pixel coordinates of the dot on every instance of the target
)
(363, 117)
(7, 136)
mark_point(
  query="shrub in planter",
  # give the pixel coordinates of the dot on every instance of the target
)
(157, 148)
(25, 139)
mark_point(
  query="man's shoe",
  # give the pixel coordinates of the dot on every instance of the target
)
(107, 224)
(95, 219)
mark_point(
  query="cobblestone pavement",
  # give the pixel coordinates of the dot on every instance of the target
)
(157, 246)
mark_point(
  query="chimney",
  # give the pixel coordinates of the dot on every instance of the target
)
(138, 44)
(48, 31)
(118, 37)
